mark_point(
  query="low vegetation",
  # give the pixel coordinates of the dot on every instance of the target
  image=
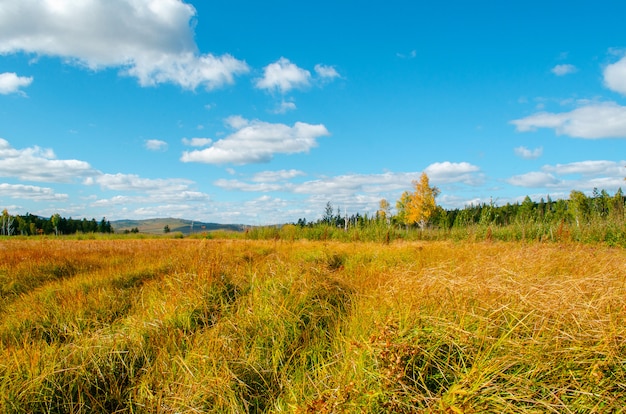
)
(287, 325)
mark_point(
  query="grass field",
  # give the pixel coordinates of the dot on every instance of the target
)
(186, 326)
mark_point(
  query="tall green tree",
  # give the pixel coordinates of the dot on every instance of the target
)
(526, 211)
(328, 214)
(616, 205)
(402, 206)
(579, 206)
(55, 220)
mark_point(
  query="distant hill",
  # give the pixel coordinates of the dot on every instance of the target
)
(156, 226)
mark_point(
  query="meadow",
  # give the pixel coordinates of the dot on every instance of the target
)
(184, 325)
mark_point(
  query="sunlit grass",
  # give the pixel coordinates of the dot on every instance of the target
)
(197, 325)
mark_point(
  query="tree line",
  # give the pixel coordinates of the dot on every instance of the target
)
(418, 209)
(29, 225)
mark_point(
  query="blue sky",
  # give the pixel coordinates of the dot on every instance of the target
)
(261, 112)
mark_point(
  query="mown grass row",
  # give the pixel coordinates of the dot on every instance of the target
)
(279, 326)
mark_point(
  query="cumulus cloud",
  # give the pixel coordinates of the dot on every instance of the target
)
(451, 172)
(535, 179)
(588, 168)
(356, 192)
(283, 76)
(615, 76)
(11, 83)
(257, 141)
(273, 176)
(132, 182)
(528, 154)
(284, 107)
(153, 198)
(262, 187)
(326, 72)
(439, 173)
(197, 142)
(351, 183)
(148, 197)
(150, 40)
(583, 175)
(592, 121)
(30, 192)
(37, 164)
(156, 145)
(565, 69)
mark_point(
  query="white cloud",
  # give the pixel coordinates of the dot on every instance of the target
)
(156, 145)
(256, 142)
(132, 182)
(250, 187)
(113, 201)
(453, 201)
(283, 75)
(593, 121)
(350, 184)
(30, 192)
(188, 70)
(197, 142)
(588, 168)
(273, 176)
(147, 197)
(37, 164)
(528, 154)
(411, 55)
(11, 83)
(153, 198)
(264, 181)
(284, 107)
(615, 76)
(175, 209)
(584, 175)
(236, 122)
(564, 69)
(535, 179)
(326, 72)
(148, 39)
(451, 172)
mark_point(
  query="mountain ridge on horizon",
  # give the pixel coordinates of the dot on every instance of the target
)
(157, 225)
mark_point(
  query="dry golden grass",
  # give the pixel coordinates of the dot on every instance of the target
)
(272, 326)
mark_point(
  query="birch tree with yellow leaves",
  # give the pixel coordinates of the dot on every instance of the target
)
(418, 207)
(383, 212)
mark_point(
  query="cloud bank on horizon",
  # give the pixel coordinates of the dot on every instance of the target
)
(174, 108)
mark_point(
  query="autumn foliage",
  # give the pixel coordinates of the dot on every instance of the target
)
(418, 207)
